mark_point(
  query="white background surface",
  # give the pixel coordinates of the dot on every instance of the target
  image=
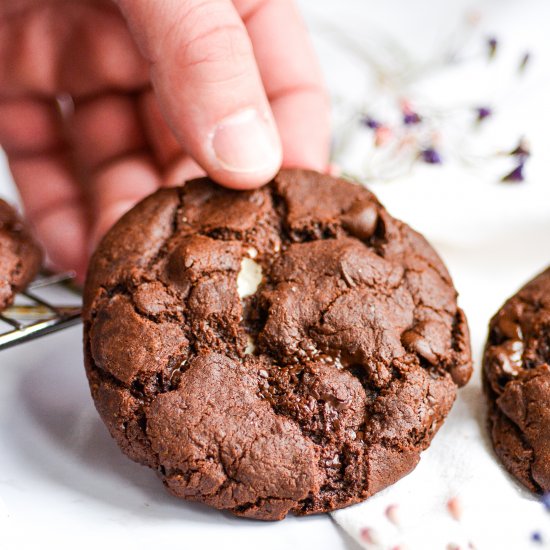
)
(63, 482)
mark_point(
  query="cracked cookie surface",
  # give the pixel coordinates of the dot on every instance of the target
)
(516, 378)
(20, 256)
(288, 349)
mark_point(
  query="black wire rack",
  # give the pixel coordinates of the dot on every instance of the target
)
(36, 312)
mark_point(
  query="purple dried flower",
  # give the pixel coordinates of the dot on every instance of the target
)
(521, 150)
(516, 175)
(492, 46)
(536, 537)
(483, 113)
(430, 156)
(409, 114)
(411, 118)
(524, 61)
(370, 122)
(545, 499)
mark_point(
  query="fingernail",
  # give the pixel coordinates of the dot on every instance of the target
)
(247, 143)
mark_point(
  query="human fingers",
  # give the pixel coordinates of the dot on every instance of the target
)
(31, 134)
(208, 85)
(292, 79)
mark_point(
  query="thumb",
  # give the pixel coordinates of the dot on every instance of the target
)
(208, 86)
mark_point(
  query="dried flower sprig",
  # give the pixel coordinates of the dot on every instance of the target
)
(403, 135)
(431, 156)
(516, 175)
(492, 47)
(370, 122)
(521, 153)
(410, 116)
(525, 59)
(483, 113)
(522, 149)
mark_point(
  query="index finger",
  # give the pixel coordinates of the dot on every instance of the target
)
(292, 79)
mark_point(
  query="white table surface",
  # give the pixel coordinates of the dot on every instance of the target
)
(63, 482)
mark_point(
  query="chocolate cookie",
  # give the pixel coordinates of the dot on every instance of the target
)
(289, 349)
(20, 256)
(516, 376)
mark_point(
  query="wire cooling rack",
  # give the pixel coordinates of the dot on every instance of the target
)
(37, 311)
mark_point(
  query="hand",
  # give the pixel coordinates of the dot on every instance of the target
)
(156, 91)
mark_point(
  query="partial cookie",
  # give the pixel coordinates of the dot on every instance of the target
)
(516, 376)
(20, 256)
(288, 349)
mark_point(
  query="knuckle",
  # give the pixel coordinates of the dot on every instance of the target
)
(207, 35)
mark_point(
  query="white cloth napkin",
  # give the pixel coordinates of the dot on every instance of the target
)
(493, 236)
